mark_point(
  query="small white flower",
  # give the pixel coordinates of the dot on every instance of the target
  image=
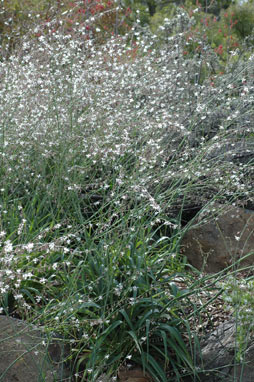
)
(29, 247)
(8, 246)
(52, 246)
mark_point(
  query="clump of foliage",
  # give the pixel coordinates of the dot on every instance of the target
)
(226, 31)
(102, 146)
(243, 16)
(238, 297)
(112, 301)
(100, 18)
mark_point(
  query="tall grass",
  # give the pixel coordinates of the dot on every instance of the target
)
(102, 149)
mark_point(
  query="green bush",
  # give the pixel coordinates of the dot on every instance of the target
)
(103, 147)
(243, 16)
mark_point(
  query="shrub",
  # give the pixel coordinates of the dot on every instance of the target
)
(102, 148)
(244, 15)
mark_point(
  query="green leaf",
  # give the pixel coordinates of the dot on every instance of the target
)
(29, 295)
(123, 312)
(143, 319)
(174, 333)
(110, 329)
(155, 369)
(165, 343)
(174, 289)
(83, 307)
(148, 324)
(133, 335)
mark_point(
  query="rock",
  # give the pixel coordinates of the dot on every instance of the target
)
(218, 357)
(134, 374)
(215, 245)
(26, 356)
(232, 151)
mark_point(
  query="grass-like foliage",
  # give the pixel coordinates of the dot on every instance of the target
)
(102, 147)
(238, 297)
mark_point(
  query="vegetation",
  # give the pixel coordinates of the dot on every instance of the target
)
(105, 141)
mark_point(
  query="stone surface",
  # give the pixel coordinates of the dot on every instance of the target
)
(232, 151)
(25, 355)
(218, 359)
(215, 245)
(134, 374)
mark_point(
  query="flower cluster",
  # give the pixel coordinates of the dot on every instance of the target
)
(101, 148)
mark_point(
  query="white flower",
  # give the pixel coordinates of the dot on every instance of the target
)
(8, 247)
(29, 247)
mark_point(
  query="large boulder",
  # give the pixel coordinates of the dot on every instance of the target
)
(26, 355)
(216, 244)
(217, 357)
